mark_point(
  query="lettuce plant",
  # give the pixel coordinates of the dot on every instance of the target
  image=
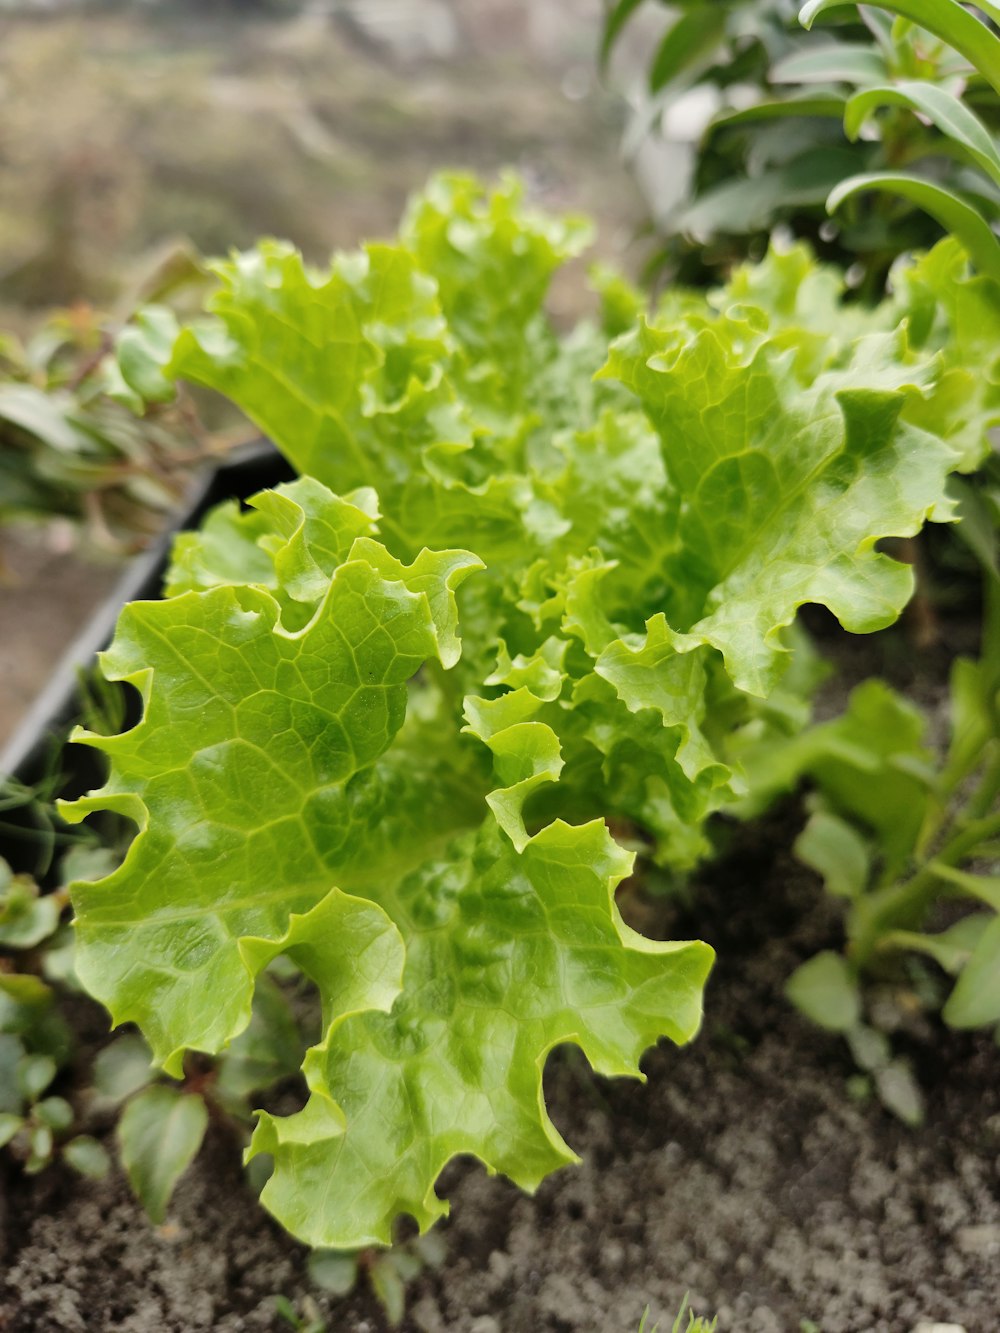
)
(520, 594)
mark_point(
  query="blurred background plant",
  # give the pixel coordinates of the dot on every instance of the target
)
(71, 444)
(125, 124)
(762, 104)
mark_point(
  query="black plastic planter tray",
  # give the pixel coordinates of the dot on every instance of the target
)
(28, 755)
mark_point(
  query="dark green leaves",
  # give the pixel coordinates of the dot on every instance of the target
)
(940, 106)
(692, 39)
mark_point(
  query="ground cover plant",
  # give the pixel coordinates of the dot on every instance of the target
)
(526, 592)
(35, 1040)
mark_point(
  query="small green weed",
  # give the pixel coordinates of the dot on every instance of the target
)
(695, 1323)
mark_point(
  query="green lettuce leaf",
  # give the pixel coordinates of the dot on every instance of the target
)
(251, 733)
(787, 488)
(509, 953)
(957, 315)
(298, 793)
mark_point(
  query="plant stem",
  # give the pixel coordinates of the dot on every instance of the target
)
(904, 903)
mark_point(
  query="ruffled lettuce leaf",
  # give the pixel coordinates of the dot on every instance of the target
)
(955, 314)
(947, 309)
(299, 792)
(786, 488)
(252, 733)
(508, 953)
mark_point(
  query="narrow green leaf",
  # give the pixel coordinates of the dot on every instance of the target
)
(9, 1126)
(869, 1047)
(45, 415)
(695, 35)
(939, 106)
(881, 28)
(752, 200)
(947, 19)
(835, 62)
(287, 1311)
(951, 949)
(975, 1001)
(975, 709)
(979, 526)
(159, 1135)
(953, 213)
(985, 888)
(827, 105)
(899, 1092)
(825, 990)
(388, 1287)
(40, 1144)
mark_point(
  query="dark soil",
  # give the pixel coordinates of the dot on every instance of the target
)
(743, 1171)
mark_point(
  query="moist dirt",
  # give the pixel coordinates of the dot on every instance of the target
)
(743, 1171)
